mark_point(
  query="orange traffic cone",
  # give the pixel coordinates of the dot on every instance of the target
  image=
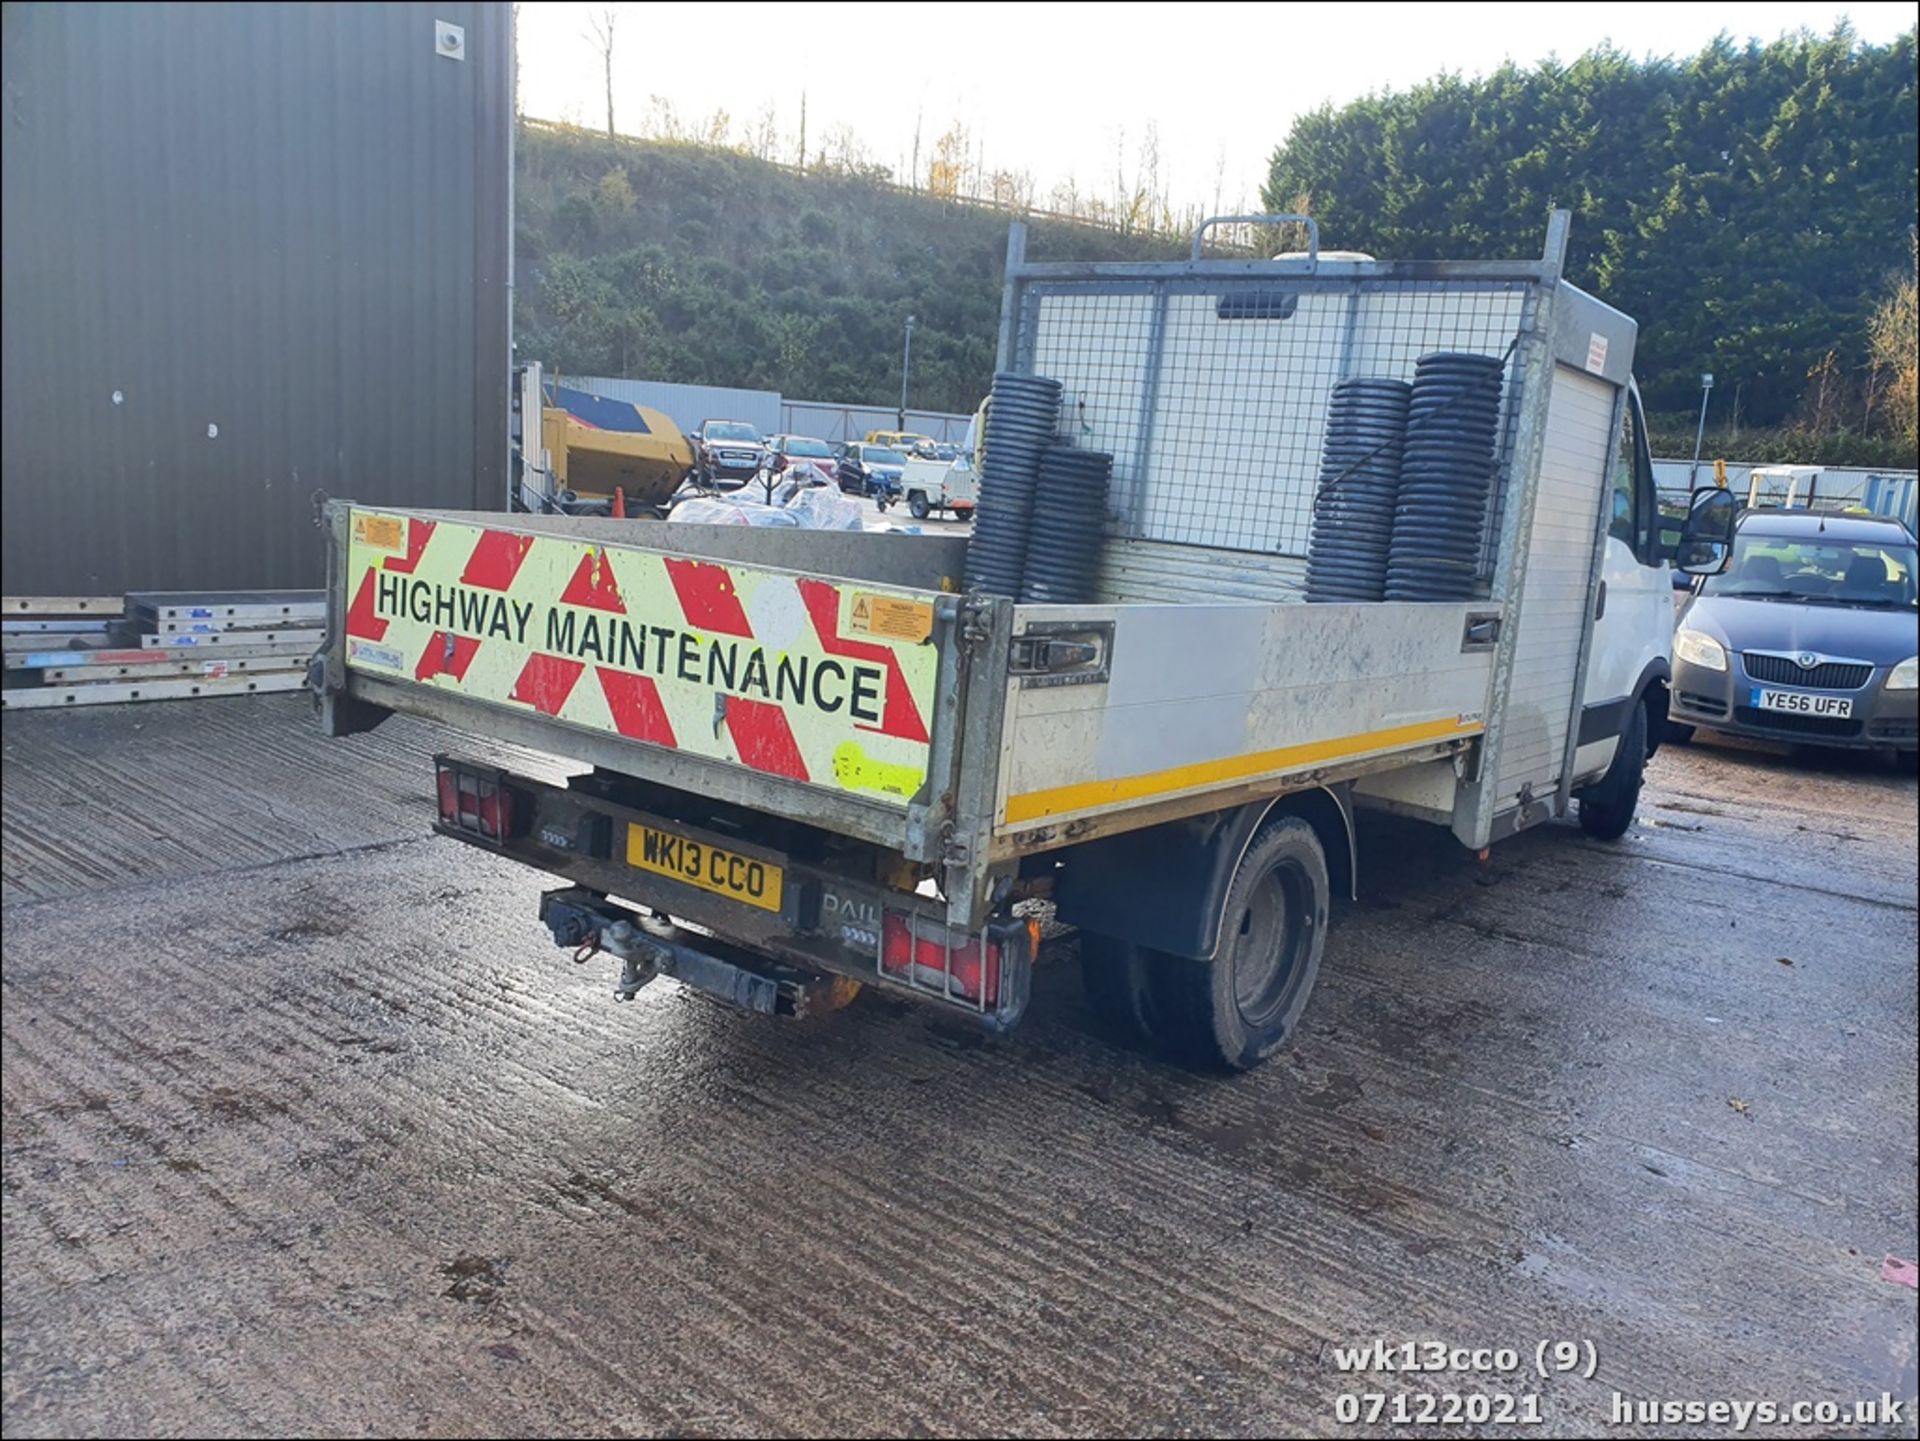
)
(619, 502)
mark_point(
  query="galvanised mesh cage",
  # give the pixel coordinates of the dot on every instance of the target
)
(1211, 393)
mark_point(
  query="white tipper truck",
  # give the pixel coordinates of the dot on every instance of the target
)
(809, 759)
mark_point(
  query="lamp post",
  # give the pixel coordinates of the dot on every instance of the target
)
(906, 359)
(1699, 435)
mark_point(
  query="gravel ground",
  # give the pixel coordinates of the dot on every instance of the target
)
(308, 1127)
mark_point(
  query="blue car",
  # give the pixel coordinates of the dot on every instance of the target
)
(873, 470)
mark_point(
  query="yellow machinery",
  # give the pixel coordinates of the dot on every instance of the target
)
(594, 445)
(901, 440)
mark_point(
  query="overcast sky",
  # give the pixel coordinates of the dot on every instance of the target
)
(1057, 89)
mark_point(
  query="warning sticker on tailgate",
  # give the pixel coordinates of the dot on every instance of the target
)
(891, 616)
(762, 669)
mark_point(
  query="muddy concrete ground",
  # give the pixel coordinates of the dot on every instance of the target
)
(308, 1127)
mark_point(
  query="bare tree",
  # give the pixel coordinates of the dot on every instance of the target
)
(803, 130)
(1011, 189)
(1894, 333)
(1066, 196)
(1820, 406)
(764, 138)
(913, 170)
(663, 121)
(844, 151)
(600, 26)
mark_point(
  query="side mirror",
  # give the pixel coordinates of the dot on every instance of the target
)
(1706, 536)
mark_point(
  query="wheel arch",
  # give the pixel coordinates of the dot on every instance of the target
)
(1651, 689)
(1163, 886)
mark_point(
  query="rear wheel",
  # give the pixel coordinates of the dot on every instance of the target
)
(1607, 806)
(1114, 974)
(1232, 1012)
(917, 504)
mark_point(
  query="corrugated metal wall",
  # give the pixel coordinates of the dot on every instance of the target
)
(827, 421)
(249, 252)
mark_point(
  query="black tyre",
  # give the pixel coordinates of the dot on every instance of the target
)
(1679, 734)
(1607, 806)
(1234, 1011)
(917, 506)
(1114, 974)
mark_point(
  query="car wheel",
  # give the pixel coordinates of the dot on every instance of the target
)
(1607, 806)
(917, 504)
(1234, 1011)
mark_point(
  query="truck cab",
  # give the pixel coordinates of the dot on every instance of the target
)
(1629, 662)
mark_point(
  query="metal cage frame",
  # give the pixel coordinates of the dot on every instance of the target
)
(1209, 380)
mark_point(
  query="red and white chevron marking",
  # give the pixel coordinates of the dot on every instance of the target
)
(510, 590)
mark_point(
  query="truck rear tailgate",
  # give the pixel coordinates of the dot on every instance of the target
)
(813, 680)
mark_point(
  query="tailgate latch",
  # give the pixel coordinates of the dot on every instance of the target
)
(1062, 653)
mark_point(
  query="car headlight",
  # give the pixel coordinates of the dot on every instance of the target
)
(1906, 675)
(1698, 648)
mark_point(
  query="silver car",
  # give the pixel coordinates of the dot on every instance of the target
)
(1808, 636)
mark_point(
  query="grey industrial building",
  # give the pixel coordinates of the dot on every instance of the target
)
(250, 252)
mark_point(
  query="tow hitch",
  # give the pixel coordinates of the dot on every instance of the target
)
(587, 923)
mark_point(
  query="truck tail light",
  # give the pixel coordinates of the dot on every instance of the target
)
(473, 799)
(926, 956)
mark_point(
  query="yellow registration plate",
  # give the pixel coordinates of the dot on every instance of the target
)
(695, 863)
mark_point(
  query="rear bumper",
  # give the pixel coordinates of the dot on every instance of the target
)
(833, 917)
(581, 919)
(1721, 700)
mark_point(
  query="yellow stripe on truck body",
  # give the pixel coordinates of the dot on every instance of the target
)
(1209, 697)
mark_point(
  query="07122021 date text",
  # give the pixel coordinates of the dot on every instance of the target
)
(1436, 1408)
